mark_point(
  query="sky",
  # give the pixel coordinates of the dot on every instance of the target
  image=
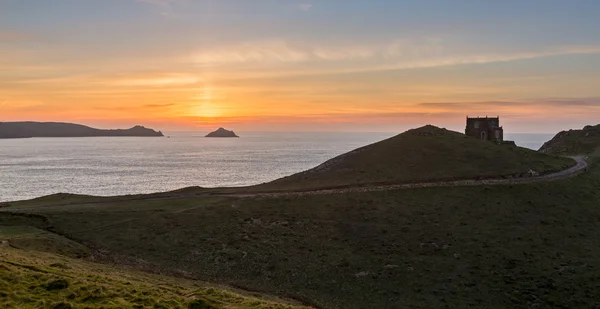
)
(301, 65)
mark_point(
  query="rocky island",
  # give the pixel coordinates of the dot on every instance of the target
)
(59, 129)
(221, 133)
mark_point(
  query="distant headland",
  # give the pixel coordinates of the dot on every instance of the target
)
(221, 133)
(30, 129)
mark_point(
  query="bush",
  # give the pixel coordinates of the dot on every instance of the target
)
(200, 304)
(62, 306)
(59, 284)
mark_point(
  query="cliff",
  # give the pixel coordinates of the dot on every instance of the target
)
(574, 142)
(57, 129)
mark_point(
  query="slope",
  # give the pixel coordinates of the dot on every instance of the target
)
(420, 155)
(570, 142)
(35, 279)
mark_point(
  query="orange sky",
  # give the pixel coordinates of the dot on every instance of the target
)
(155, 63)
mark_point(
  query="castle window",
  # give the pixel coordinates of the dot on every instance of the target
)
(476, 125)
(497, 134)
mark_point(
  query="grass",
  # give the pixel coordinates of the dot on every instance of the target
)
(486, 246)
(33, 279)
(574, 141)
(505, 246)
(419, 155)
(32, 238)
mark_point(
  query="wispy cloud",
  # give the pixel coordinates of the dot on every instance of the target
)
(305, 6)
(156, 80)
(166, 6)
(277, 50)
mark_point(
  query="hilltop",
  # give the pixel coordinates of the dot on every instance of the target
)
(570, 142)
(59, 129)
(425, 154)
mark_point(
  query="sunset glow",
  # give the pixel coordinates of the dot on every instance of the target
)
(300, 65)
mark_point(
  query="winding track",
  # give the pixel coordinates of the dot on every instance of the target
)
(579, 167)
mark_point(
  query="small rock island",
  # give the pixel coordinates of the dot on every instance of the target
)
(30, 129)
(221, 133)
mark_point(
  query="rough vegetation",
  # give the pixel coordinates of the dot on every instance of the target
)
(504, 246)
(572, 142)
(424, 154)
(33, 279)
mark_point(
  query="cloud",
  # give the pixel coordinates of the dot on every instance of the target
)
(166, 6)
(393, 55)
(282, 51)
(305, 7)
(159, 80)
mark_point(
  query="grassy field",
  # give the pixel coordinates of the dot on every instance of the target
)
(424, 154)
(34, 279)
(485, 246)
(573, 141)
(503, 246)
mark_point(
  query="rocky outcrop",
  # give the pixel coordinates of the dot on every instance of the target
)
(574, 142)
(221, 133)
(59, 129)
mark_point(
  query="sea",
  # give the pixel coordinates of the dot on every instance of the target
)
(106, 166)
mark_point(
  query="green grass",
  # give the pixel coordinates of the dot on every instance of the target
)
(32, 279)
(424, 154)
(528, 245)
(504, 246)
(32, 238)
(572, 142)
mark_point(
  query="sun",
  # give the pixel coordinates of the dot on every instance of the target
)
(207, 109)
(204, 105)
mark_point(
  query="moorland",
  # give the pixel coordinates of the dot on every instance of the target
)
(509, 245)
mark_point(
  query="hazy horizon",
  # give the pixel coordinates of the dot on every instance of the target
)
(301, 65)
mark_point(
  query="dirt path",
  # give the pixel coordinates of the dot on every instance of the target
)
(579, 167)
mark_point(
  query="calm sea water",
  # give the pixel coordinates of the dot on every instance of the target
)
(106, 166)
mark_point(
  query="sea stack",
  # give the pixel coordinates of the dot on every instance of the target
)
(221, 133)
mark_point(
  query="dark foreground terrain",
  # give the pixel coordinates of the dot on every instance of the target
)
(57, 129)
(34, 279)
(492, 246)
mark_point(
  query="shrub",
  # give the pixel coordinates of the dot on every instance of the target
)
(62, 306)
(200, 304)
(59, 284)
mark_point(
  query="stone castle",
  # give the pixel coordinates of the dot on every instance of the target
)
(485, 128)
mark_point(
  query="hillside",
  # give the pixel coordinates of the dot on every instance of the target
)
(419, 155)
(57, 129)
(573, 142)
(35, 279)
(505, 246)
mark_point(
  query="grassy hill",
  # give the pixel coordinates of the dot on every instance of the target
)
(507, 246)
(570, 142)
(424, 154)
(503, 246)
(36, 279)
